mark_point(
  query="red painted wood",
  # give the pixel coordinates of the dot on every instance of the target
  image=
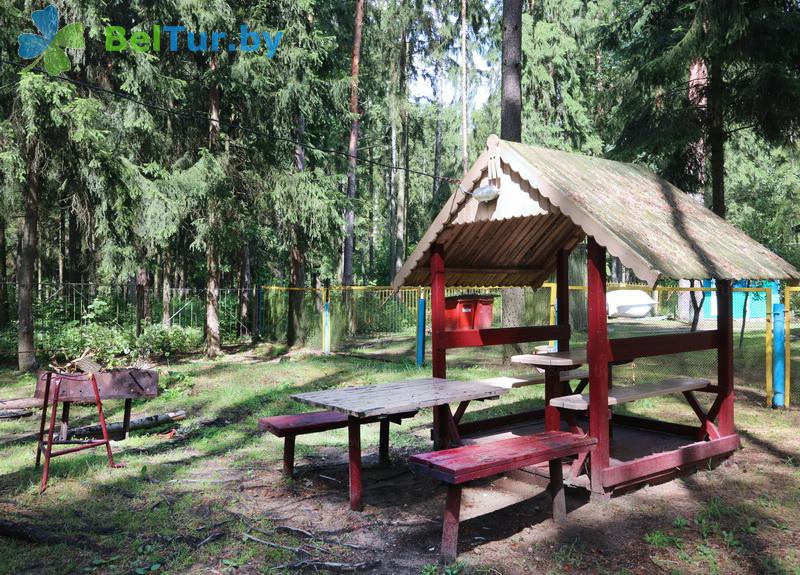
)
(354, 457)
(383, 448)
(654, 425)
(503, 336)
(288, 455)
(629, 348)
(725, 356)
(452, 514)
(598, 356)
(469, 462)
(438, 341)
(495, 422)
(692, 454)
(552, 389)
(562, 295)
(302, 423)
(556, 488)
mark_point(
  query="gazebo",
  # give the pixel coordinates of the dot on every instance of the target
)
(513, 221)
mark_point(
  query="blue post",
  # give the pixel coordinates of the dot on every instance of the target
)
(778, 363)
(421, 329)
(326, 333)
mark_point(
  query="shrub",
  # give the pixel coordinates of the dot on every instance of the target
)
(106, 342)
(164, 341)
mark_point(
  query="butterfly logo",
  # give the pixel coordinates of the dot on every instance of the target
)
(49, 46)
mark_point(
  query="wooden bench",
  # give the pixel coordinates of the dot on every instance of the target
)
(290, 426)
(617, 395)
(462, 464)
(515, 382)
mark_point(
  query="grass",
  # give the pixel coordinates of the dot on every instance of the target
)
(179, 506)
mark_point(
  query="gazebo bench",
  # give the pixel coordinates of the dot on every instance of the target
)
(617, 395)
(462, 464)
(290, 426)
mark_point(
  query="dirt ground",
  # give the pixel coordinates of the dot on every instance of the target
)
(211, 498)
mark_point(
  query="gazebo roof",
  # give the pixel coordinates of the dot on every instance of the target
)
(550, 200)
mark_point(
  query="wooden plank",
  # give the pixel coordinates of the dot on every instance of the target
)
(500, 421)
(438, 339)
(633, 393)
(515, 382)
(503, 335)
(562, 294)
(24, 403)
(469, 462)
(557, 358)
(399, 396)
(481, 271)
(597, 351)
(725, 357)
(686, 456)
(630, 348)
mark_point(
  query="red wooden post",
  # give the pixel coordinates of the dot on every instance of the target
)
(438, 336)
(354, 456)
(562, 295)
(552, 388)
(598, 353)
(452, 512)
(725, 356)
(383, 449)
(438, 342)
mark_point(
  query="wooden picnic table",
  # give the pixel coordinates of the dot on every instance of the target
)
(384, 400)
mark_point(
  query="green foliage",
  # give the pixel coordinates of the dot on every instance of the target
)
(160, 341)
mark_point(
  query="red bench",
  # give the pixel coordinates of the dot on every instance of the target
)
(290, 426)
(462, 464)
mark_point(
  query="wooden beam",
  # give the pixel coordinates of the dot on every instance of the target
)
(642, 468)
(438, 341)
(654, 425)
(631, 348)
(562, 295)
(598, 355)
(503, 336)
(725, 356)
(487, 271)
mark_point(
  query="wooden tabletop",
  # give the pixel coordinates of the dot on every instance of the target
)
(573, 357)
(399, 396)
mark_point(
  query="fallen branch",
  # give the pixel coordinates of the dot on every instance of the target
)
(24, 403)
(330, 566)
(296, 550)
(15, 413)
(140, 423)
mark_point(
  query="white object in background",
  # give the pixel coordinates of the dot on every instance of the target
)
(632, 303)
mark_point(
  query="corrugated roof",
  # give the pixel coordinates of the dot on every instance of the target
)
(551, 200)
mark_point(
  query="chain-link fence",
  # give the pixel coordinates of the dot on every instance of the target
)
(792, 352)
(381, 322)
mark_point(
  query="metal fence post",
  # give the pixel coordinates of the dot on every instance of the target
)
(421, 328)
(768, 343)
(778, 363)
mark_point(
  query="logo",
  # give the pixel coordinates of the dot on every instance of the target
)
(50, 45)
(119, 40)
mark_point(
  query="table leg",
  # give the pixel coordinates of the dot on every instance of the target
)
(452, 436)
(552, 387)
(354, 456)
(126, 418)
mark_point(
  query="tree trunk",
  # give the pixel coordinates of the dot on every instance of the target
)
(27, 261)
(213, 342)
(373, 218)
(392, 191)
(166, 291)
(401, 176)
(352, 150)
(511, 129)
(244, 290)
(437, 138)
(717, 140)
(73, 247)
(3, 275)
(295, 332)
(464, 139)
(511, 99)
(142, 299)
(62, 244)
